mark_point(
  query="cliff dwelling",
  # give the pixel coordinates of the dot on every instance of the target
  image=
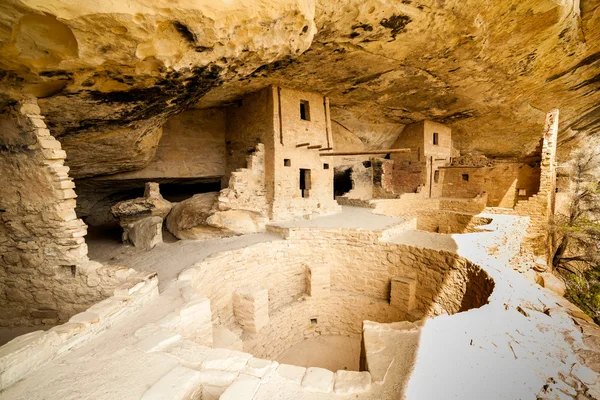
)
(299, 200)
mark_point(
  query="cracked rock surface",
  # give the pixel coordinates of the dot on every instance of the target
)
(109, 77)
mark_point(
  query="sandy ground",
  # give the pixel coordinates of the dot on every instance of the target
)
(172, 256)
(168, 259)
(327, 351)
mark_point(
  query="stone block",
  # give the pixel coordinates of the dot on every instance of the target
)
(187, 353)
(86, 318)
(291, 373)
(30, 109)
(158, 341)
(24, 354)
(195, 321)
(180, 383)
(318, 280)
(251, 308)
(318, 380)
(243, 388)
(224, 338)
(218, 378)
(145, 233)
(225, 360)
(259, 367)
(350, 382)
(402, 294)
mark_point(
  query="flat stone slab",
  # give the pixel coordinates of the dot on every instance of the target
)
(318, 380)
(180, 383)
(291, 373)
(243, 388)
(350, 382)
(158, 341)
(226, 360)
(85, 317)
(259, 368)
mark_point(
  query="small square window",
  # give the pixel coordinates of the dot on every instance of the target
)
(465, 177)
(522, 192)
(287, 162)
(304, 110)
(325, 166)
(556, 190)
(313, 321)
(436, 176)
(436, 139)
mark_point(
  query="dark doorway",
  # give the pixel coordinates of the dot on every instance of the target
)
(342, 182)
(305, 182)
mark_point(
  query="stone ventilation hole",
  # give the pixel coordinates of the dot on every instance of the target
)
(311, 314)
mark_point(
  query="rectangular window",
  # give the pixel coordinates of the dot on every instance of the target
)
(305, 182)
(436, 176)
(325, 166)
(287, 162)
(436, 138)
(465, 177)
(304, 110)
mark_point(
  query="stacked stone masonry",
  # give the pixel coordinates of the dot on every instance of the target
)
(45, 275)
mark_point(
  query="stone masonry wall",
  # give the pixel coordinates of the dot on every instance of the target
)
(361, 271)
(501, 182)
(540, 208)
(45, 275)
(246, 189)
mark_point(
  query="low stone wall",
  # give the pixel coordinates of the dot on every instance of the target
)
(448, 222)
(411, 204)
(26, 353)
(361, 270)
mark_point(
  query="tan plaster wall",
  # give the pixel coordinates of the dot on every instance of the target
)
(250, 121)
(287, 196)
(317, 131)
(412, 137)
(444, 148)
(414, 171)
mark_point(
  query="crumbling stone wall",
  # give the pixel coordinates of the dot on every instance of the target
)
(540, 207)
(501, 181)
(45, 276)
(246, 190)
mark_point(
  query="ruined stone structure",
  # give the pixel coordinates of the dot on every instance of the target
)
(294, 128)
(430, 147)
(292, 200)
(46, 276)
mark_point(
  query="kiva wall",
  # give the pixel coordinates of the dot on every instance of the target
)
(361, 269)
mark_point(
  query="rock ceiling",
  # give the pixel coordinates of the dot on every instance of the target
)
(108, 77)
